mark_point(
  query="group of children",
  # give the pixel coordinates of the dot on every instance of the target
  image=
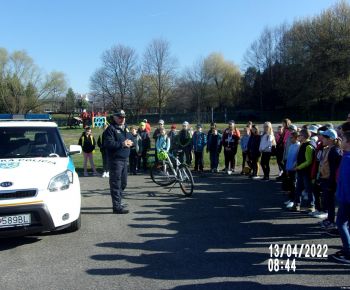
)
(313, 161)
(315, 171)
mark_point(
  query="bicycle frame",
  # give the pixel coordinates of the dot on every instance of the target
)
(173, 169)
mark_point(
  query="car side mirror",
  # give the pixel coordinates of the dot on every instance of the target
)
(74, 149)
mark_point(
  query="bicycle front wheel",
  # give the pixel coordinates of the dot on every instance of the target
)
(162, 174)
(185, 179)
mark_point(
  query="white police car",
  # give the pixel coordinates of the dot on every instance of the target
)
(39, 188)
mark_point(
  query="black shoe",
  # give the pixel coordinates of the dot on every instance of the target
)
(120, 211)
(342, 257)
(333, 233)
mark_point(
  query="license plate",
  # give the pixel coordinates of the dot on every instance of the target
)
(14, 220)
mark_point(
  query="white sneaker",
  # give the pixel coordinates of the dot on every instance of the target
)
(229, 172)
(107, 174)
(286, 202)
(321, 215)
(290, 204)
(104, 174)
(256, 177)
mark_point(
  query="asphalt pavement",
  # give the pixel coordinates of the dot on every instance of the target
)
(217, 239)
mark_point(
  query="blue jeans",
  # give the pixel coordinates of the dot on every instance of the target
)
(304, 184)
(343, 222)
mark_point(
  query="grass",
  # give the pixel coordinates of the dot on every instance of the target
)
(71, 137)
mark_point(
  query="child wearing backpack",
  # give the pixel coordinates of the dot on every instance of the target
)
(329, 164)
(303, 168)
(88, 144)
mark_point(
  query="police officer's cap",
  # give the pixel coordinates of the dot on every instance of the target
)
(120, 113)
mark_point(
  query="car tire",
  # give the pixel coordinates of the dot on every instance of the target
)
(74, 226)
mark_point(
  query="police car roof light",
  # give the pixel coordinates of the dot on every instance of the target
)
(25, 117)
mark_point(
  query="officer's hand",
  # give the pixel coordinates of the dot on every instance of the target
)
(127, 143)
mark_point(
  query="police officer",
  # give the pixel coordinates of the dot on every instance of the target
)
(118, 143)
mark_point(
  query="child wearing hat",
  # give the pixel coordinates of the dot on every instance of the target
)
(199, 141)
(328, 167)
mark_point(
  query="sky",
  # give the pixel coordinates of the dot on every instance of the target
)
(71, 35)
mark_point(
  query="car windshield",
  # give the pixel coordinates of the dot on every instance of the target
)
(25, 142)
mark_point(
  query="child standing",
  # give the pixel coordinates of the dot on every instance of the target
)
(291, 163)
(244, 146)
(230, 140)
(253, 151)
(172, 135)
(343, 197)
(163, 141)
(266, 143)
(304, 165)
(103, 150)
(279, 148)
(135, 151)
(87, 142)
(199, 140)
(146, 145)
(185, 143)
(329, 163)
(214, 148)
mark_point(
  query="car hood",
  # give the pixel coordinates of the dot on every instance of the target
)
(30, 173)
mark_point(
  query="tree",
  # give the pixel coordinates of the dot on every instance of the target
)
(23, 87)
(100, 90)
(70, 101)
(225, 76)
(113, 82)
(142, 95)
(160, 66)
(198, 79)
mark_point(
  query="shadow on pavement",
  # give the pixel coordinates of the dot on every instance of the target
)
(11, 243)
(223, 231)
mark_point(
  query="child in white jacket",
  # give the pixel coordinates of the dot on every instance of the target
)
(266, 142)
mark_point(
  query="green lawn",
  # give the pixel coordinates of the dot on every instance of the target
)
(71, 136)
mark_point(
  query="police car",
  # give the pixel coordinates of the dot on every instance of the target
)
(39, 187)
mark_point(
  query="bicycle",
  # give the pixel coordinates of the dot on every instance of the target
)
(166, 172)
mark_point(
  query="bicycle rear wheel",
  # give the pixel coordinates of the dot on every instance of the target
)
(162, 174)
(185, 179)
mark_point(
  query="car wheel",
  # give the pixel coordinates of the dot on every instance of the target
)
(74, 226)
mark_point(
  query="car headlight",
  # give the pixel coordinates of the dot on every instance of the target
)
(61, 181)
